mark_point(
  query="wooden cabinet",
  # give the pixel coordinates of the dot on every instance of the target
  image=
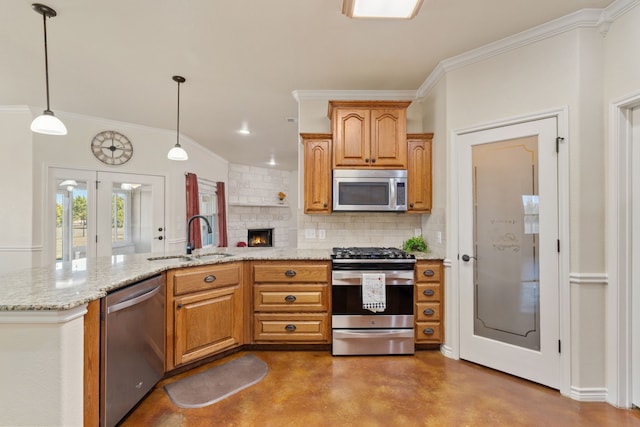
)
(419, 172)
(291, 302)
(317, 173)
(429, 302)
(369, 134)
(204, 312)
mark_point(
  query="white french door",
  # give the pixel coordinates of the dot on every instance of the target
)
(508, 239)
(130, 211)
(93, 213)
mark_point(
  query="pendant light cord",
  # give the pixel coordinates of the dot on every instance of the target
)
(178, 120)
(46, 58)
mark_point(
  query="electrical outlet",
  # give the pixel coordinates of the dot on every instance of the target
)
(322, 234)
(439, 237)
(309, 233)
(417, 232)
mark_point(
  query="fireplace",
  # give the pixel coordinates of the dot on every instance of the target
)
(260, 237)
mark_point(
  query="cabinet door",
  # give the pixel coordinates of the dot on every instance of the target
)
(317, 174)
(388, 138)
(206, 323)
(419, 174)
(351, 131)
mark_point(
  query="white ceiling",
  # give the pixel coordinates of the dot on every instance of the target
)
(241, 58)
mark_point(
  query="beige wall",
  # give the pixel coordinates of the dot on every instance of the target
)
(16, 244)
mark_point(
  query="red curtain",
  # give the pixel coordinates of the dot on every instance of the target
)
(222, 215)
(193, 208)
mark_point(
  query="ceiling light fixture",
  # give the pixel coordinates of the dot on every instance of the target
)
(177, 152)
(47, 122)
(399, 9)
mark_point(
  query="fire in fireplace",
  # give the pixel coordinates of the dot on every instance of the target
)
(260, 237)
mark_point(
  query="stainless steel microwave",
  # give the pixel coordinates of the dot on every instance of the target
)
(373, 190)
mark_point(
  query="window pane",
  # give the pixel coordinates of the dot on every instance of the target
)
(71, 220)
(209, 209)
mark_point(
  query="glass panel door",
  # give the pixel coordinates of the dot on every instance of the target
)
(102, 213)
(508, 240)
(130, 213)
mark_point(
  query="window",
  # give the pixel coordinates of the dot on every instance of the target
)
(208, 209)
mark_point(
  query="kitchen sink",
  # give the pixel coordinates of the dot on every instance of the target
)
(215, 255)
(168, 257)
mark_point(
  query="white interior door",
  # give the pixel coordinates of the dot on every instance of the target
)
(508, 240)
(130, 213)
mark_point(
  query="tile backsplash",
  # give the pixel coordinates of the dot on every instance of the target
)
(356, 229)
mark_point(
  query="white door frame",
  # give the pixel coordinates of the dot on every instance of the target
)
(619, 253)
(452, 347)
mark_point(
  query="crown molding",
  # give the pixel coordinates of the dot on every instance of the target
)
(585, 18)
(354, 95)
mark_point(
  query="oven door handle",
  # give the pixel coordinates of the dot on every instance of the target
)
(369, 333)
(357, 281)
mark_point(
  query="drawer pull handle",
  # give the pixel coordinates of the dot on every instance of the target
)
(290, 298)
(210, 278)
(428, 331)
(429, 312)
(429, 273)
(290, 328)
(290, 273)
(429, 292)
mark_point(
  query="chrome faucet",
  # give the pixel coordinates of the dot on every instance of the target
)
(189, 242)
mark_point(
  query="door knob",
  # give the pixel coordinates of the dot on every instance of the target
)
(466, 257)
(160, 237)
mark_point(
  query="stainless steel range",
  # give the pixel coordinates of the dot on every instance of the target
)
(372, 301)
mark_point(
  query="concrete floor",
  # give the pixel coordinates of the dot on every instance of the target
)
(313, 388)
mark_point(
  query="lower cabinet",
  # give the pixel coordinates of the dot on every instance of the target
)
(429, 316)
(291, 302)
(205, 312)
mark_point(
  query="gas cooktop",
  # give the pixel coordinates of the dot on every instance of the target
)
(361, 253)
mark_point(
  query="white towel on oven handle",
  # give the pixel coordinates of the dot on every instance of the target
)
(373, 292)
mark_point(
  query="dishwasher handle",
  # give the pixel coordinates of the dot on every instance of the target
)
(133, 301)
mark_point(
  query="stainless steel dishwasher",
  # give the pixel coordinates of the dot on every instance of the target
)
(131, 348)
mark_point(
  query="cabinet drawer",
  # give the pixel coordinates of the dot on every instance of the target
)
(428, 332)
(427, 311)
(299, 327)
(291, 273)
(428, 272)
(428, 293)
(290, 298)
(203, 278)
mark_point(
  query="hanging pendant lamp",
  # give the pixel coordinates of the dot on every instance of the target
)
(47, 123)
(177, 152)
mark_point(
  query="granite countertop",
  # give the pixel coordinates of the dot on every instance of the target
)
(66, 285)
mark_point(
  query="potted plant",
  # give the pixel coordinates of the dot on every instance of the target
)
(415, 244)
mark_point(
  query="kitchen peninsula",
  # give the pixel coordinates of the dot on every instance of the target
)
(42, 324)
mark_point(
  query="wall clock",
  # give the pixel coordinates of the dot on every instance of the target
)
(112, 148)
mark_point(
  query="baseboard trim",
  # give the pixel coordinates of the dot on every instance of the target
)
(589, 394)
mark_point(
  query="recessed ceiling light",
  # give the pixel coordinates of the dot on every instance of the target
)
(402, 9)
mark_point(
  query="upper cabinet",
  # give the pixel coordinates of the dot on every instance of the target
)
(419, 172)
(369, 134)
(317, 173)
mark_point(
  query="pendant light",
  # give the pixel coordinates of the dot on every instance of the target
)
(47, 123)
(177, 152)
